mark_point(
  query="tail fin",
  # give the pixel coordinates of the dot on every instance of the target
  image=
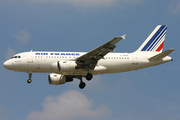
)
(155, 41)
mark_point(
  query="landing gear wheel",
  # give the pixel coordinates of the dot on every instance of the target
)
(30, 75)
(29, 81)
(89, 76)
(82, 85)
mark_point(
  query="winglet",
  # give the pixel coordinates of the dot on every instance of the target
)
(123, 37)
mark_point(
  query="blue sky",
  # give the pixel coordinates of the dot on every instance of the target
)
(82, 25)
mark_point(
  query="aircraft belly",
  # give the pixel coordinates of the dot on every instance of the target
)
(114, 66)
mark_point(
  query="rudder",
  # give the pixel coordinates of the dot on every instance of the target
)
(155, 41)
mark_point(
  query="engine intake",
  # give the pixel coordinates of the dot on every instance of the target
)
(58, 79)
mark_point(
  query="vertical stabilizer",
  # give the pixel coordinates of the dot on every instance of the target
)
(155, 41)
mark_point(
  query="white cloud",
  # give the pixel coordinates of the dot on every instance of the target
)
(9, 53)
(69, 105)
(174, 8)
(90, 3)
(22, 36)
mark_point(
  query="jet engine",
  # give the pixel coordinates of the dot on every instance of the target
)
(63, 66)
(57, 79)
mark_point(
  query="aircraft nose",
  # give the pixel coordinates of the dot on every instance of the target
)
(7, 64)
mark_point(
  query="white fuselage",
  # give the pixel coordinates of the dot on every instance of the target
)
(42, 62)
(64, 66)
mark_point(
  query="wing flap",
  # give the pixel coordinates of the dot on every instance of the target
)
(161, 55)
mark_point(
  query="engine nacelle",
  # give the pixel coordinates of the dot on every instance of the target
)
(57, 79)
(63, 66)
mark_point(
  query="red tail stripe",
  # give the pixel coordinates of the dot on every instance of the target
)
(160, 47)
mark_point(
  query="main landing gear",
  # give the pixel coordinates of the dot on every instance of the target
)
(82, 84)
(30, 75)
(89, 76)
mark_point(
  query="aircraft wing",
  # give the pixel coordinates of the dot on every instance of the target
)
(91, 58)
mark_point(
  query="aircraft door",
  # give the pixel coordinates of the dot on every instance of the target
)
(135, 60)
(30, 57)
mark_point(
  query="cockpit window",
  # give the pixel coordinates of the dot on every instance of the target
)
(16, 57)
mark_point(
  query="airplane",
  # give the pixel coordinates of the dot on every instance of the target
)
(65, 66)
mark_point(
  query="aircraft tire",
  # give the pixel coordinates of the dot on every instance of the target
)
(29, 81)
(82, 85)
(89, 76)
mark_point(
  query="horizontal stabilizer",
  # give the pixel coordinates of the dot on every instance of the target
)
(161, 55)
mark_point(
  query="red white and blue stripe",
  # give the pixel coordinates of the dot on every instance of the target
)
(155, 41)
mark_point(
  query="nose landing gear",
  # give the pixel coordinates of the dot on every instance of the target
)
(29, 80)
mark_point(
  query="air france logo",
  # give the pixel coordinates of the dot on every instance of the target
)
(68, 54)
